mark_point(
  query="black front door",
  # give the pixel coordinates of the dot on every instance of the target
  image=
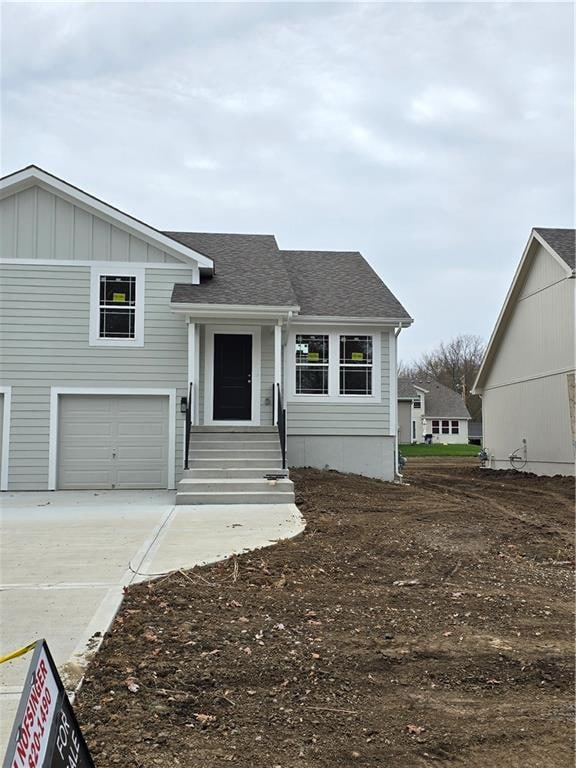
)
(232, 377)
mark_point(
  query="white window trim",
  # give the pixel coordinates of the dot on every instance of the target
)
(334, 395)
(96, 273)
(5, 437)
(56, 392)
(255, 332)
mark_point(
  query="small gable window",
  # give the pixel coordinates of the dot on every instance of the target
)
(117, 308)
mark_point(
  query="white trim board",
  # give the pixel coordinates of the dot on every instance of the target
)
(105, 264)
(255, 332)
(56, 392)
(32, 175)
(6, 416)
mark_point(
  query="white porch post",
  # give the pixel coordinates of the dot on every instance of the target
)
(193, 367)
(277, 368)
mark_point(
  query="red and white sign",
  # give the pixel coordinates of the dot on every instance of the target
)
(36, 720)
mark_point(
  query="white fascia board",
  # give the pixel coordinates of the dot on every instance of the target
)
(214, 311)
(502, 317)
(342, 320)
(32, 175)
(545, 244)
(426, 391)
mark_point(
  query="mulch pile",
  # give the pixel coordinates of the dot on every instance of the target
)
(408, 626)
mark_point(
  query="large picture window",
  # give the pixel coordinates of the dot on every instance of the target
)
(117, 307)
(355, 365)
(312, 364)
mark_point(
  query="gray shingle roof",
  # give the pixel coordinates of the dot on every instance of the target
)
(440, 401)
(339, 283)
(248, 270)
(562, 241)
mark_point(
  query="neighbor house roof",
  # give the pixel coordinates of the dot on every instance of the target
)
(440, 402)
(562, 241)
(248, 269)
(251, 270)
(340, 284)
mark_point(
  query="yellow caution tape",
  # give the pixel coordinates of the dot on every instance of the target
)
(19, 652)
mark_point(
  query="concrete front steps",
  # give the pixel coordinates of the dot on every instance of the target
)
(235, 465)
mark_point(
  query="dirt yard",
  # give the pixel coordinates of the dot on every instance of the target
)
(409, 625)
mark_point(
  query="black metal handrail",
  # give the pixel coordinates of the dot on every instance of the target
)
(281, 422)
(188, 427)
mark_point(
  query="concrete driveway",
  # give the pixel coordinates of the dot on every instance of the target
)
(66, 556)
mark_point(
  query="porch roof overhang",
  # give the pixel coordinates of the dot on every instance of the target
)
(342, 320)
(231, 311)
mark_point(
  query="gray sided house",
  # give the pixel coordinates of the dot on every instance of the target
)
(526, 379)
(426, 407)
(109, 324)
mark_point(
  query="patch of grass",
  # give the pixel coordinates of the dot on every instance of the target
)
(438, 449)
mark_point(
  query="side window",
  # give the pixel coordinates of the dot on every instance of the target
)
(312, 361)
(445, 427)
(355, 365)
(455, 428)
(117, 307)
(435, 427)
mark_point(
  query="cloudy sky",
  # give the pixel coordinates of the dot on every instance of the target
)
(429, 136)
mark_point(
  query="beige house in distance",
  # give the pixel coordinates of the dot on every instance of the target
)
(526, 379)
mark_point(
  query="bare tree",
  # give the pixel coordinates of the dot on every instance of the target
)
(454, 364)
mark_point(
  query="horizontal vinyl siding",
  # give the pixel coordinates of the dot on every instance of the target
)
(344, 418)
(44, 343)
(37, 224)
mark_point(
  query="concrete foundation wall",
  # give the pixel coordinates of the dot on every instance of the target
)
(372, 456)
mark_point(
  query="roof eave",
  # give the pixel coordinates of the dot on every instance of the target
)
(403, 322)
(258, 311)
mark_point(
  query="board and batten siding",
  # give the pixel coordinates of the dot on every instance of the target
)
(526, 394)
(342, 418)
(44, 332)
(36, 224)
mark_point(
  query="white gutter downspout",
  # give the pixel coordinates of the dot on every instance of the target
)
(394, 402)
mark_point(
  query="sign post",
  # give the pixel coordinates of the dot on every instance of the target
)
(46, 733)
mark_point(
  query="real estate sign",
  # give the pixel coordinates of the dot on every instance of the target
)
(45, 732)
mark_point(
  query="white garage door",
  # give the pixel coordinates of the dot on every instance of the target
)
(113, 441)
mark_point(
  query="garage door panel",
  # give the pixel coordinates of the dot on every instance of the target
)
(151, 430)
(113, 442)
(135, 478)
(81, 478)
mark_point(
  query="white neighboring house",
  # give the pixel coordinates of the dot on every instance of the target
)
(137, 358)
(426, 407)
(526, 380)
